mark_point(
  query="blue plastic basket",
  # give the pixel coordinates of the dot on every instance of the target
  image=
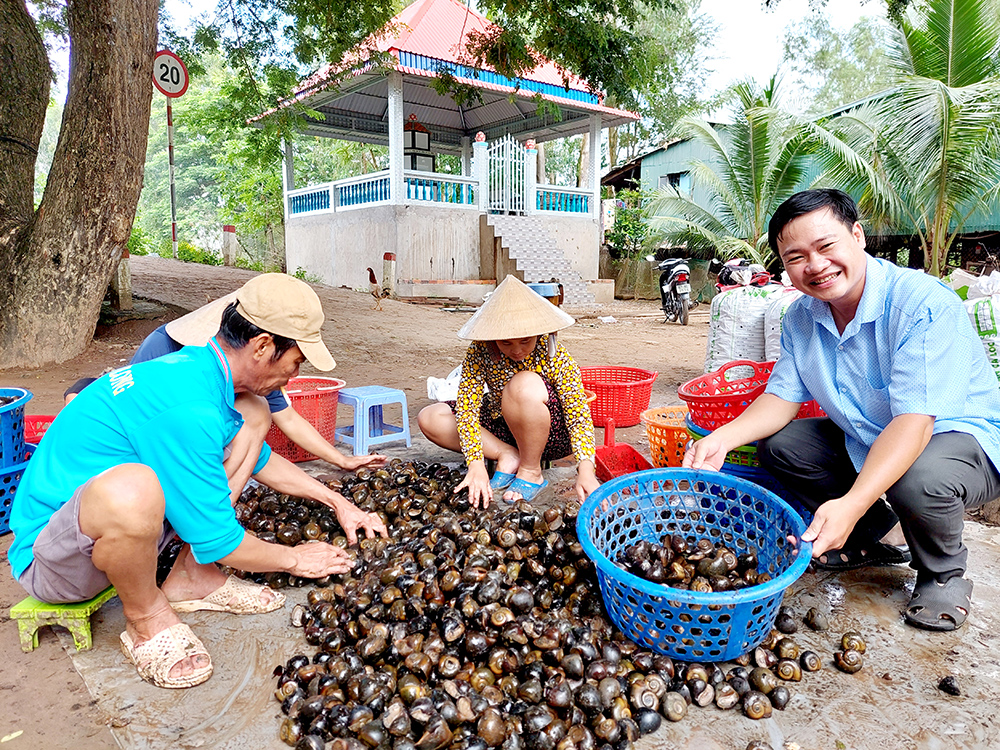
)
(689, 625)
(10, 478)
(12, 427)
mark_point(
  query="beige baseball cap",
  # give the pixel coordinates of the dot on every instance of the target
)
(274, 302)
(514, 311)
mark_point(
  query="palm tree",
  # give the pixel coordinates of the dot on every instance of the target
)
(756, 162)
(932, 140)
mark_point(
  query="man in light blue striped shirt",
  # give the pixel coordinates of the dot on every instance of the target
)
(913, 408)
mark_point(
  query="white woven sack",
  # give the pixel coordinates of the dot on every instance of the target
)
(773, 317)
(984, 312)
(736, 326)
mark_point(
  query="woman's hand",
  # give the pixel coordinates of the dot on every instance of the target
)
(477, 480)
(586, 479)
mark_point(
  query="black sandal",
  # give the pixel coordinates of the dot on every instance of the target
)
(852, 558)
(940, 606)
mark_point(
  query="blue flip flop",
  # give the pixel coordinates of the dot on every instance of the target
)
(501, 480)
(527, 490)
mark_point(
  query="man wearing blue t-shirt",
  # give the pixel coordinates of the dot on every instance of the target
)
(165, 447)
(913, 408)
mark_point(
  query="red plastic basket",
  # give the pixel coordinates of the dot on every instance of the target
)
(316, 400)
(35, 426)
(717, 398)
(622, 393)
(615, 460)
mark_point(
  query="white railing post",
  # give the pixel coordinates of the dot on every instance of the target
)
(595, 163)
(395, 116)
(481, 170)
(530, 176)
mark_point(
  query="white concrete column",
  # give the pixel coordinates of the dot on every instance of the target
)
(530, 176)
(481, 170)
(466, 156)
(395, 116)
(121, 285)
(229, 244)
(595, 165)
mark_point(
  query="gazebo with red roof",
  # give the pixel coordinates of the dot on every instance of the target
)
(452, 235)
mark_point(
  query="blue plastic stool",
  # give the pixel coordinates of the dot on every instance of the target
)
(369, 430)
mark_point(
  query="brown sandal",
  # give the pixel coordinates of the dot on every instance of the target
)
(154, 659)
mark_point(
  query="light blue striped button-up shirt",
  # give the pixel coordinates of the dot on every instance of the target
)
(910, 349)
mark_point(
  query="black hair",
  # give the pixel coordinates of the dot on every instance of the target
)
(237, 331)
(841, 205)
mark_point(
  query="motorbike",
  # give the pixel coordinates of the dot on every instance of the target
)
(675, 289)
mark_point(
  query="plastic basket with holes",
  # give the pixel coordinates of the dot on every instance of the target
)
(10, 479)
(717, 398)
(689, 625)
(12, 401)
(315, 398)
(623, 393)
(667, 433)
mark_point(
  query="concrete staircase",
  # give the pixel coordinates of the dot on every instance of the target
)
(537, 256)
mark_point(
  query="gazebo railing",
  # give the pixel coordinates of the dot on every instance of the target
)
(363, 190)
(314, 199)
(434, 187)
(562, 199)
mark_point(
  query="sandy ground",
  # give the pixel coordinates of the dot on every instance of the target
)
(44, 697)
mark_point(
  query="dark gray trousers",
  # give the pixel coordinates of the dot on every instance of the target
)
(953, 473)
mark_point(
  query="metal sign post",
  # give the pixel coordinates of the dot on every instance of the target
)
(170, 76)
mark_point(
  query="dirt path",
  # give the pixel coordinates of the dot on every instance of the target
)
(43, 696)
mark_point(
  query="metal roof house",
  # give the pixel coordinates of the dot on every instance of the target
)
(452, 235)
(670, 165)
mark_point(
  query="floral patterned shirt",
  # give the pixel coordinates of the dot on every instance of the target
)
(481, 368)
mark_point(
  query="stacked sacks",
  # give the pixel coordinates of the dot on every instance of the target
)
(773, 315)
(737, 325)
(983, 306)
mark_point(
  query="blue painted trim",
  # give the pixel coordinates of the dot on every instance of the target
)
(305, 202)
(422, 62)
(572, 203)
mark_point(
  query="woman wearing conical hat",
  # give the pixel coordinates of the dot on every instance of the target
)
(535, 409)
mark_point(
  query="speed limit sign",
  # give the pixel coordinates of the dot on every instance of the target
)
(169, 74)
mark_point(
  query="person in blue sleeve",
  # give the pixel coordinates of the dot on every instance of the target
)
(195, 329)
(165, 447)
(913, 409)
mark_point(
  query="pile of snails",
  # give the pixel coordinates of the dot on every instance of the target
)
(472, 629)
(703, 566)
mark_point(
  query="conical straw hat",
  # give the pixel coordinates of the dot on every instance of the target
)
(513, 311)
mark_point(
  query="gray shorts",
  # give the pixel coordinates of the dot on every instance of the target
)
(62, 570)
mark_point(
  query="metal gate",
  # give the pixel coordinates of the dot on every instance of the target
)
(506, 174)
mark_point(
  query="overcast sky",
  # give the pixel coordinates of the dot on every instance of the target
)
(749, 39)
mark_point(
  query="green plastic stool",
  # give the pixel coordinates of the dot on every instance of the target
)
(32, 614)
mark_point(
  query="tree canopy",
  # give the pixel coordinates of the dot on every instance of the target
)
(62, 252)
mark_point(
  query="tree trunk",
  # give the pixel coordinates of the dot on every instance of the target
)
(612, 147)
(583, 163)
(62, 257)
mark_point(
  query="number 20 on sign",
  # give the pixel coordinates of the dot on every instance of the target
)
(171, 79)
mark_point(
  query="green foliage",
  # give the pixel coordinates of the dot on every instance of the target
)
(682, 38)
(755, 164)
(139, 243)
(832, 68)
(931, 143)
(191, 254)
(301, 273)
(628, 237)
